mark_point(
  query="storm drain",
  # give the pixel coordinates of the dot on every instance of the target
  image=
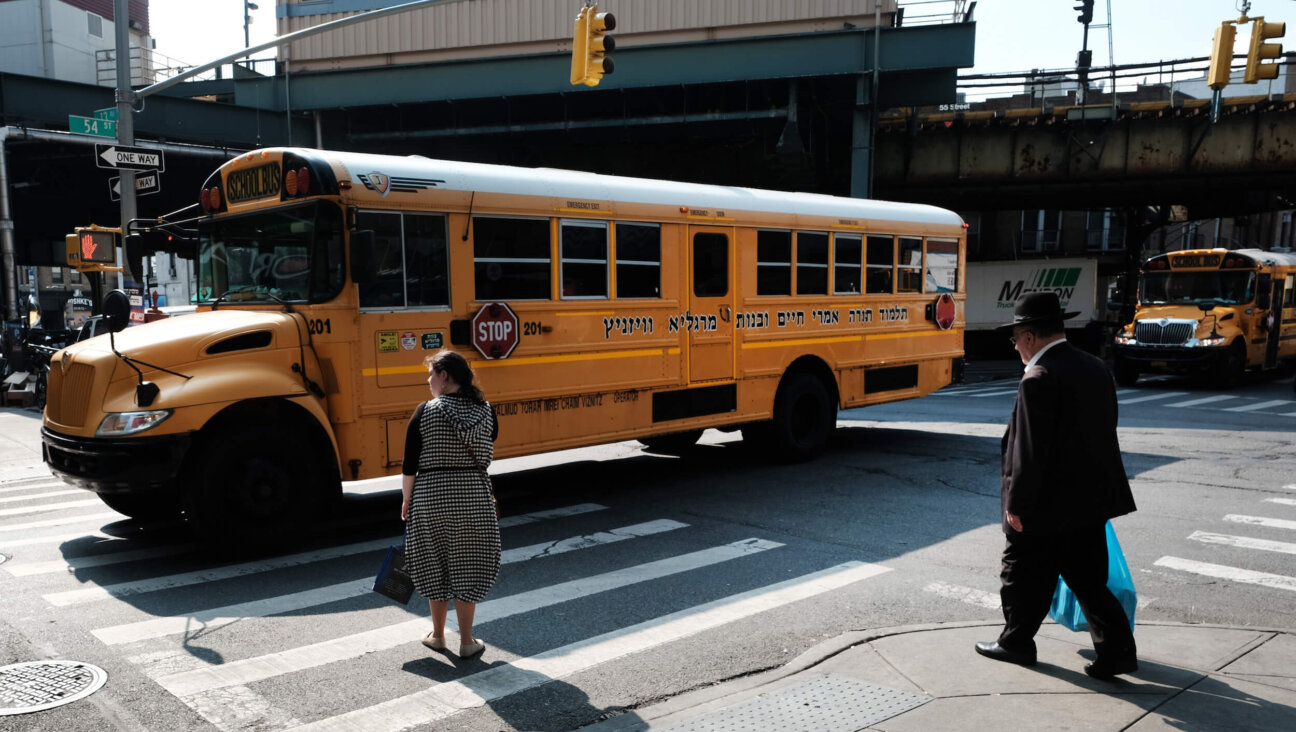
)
(38, 685)
(822, 704)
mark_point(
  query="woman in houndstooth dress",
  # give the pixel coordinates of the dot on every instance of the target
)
(452, 543)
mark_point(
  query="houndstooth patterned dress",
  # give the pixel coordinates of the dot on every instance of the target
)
(452, 541)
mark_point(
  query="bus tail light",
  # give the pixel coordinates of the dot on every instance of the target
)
(205, 199)
(303, 180)
(215, 197)
(290, 183)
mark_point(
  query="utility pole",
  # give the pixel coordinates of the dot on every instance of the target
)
(248, 7)
(125, 97)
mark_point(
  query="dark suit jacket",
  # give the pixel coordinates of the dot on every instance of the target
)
(1062, 465)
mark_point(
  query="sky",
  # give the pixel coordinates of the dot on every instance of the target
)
(1012, 35)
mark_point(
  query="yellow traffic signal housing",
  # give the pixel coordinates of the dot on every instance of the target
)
(1221, 60)
(1262, 51)
(93, 249)
(590, 46)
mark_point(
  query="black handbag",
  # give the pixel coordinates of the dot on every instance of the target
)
(392, 581)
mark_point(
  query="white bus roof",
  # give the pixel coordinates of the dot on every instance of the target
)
(505, 179)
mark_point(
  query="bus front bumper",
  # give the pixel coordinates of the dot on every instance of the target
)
(105, 465)
(1172, 359)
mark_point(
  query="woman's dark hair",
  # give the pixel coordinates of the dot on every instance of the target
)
(460, 372)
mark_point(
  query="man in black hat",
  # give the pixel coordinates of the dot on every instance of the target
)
(1062, 479)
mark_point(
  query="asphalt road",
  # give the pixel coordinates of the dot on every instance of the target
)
(631, 577)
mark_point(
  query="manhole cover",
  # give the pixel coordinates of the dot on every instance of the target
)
(38, 685)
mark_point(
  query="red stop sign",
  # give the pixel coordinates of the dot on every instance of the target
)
(495, 330)
(945, 311)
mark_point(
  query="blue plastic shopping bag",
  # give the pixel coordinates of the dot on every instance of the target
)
(1066, 611)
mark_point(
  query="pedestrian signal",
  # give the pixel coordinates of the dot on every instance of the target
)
(92, 248)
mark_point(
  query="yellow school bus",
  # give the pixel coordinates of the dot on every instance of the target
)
(593, 308)
(1210, 311)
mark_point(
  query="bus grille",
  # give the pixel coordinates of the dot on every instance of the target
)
(68, 393)
(1170, 334)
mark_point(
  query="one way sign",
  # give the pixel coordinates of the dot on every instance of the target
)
(145, 183)
(117, 157)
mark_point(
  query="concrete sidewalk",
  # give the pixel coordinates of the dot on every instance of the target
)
(919, 678)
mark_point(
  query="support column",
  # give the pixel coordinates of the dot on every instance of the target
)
(10, 283)
(862, 139)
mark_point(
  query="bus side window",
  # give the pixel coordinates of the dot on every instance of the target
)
(511, 259)
(911, 260)
(942, 265)
(427, 278)
(638, 260)
(773, 262)
(880, 266)
(387, 288)
(583, 259)
(812, 263)
(847, 250)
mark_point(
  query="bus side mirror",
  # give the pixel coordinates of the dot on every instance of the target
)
(362, 259)
(116, 311)
(1207, 305)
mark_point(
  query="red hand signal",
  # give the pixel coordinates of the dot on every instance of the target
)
(88, 247)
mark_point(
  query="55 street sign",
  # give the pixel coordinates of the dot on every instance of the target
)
(145, 183)
(119, 157)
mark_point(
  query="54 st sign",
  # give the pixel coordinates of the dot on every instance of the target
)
(121, 157)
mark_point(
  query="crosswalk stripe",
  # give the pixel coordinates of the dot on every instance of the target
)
(38, 496)
(1219, 571)
(1243, 542)
(32, 486)
(564, 512)
(61, 521)
(74, 564)
(969, 595)
(1282, 501)
(1290, 487)
(1000, 392)
(154, 584)
(550, 548)
(338, 649)
(50, 507)
(1203, 400)
(446, 699)
(1152, 397)
(1261, 405)
(60, 538)
(1272, 523)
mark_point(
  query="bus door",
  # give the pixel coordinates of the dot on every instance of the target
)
(1275, 323)
(711, 296)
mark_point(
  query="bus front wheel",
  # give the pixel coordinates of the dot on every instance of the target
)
(1232, 368)
(804, 417)
(1127, 374)
(252, 485)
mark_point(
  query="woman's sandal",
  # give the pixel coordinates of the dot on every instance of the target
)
(436, 644)
(472, 649)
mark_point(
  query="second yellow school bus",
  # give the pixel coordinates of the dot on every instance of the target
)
(594, 309)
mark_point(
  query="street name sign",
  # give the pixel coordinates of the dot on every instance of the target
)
(145, 183)
(106, 113)
(121, 157)
(98, 126)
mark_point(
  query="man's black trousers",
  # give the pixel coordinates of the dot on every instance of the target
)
(1031, 565)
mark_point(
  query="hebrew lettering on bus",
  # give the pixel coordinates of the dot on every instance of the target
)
(893, 314)
(627, 325)
(826, 317)
(751, 321)
(791, 317)
(694, 323)
(856, 316)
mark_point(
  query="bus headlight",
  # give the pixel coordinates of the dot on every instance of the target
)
(117, 424)
(1125, 339)
(1217, 341)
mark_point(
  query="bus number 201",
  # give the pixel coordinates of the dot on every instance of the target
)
(320, 326)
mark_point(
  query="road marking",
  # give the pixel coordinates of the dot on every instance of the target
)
(61, 521)
(550, 548)
(1203, 400)
(1152, 397)
(48, 494)
(32, 486)
(246, 671)
(968, 595)
(979, 395)
(1290, 487)
(1234, 574)
(96, 560)
(50, 507)
(1272, 523)
(566, 511)
(446, 699)
(1243, 542)
(1261, 405)
(1282, 501)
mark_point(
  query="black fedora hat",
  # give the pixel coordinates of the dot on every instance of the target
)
(1036, 307)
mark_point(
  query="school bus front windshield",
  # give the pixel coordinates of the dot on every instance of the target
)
(1189, 288)
(291, 253)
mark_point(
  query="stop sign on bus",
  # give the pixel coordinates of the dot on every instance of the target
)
(495, 330)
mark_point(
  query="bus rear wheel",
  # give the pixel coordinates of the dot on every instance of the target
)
(253, 485)
(804, 417)
(672, 444)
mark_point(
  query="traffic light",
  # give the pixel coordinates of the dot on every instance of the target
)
(1221, 60)
(1261, 51)
(1085, 8)
(92, 248)
(590, 46)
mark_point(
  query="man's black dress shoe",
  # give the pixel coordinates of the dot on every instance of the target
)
(1106, 668)
(993, 650)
